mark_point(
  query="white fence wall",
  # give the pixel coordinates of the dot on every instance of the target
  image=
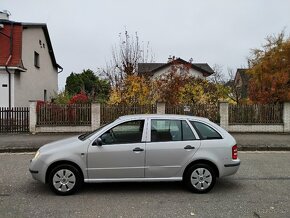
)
(278, 128)
(224, 121)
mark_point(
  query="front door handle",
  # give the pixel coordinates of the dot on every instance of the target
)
(138, 149)
(188, 147)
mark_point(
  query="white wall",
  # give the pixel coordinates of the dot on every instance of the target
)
(30, 85)
(4, 91)
(4, 98)
(166, 70)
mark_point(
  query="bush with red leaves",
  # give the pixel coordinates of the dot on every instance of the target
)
(81, 98)
(39, 105)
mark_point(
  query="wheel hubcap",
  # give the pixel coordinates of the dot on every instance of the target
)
(201, 178)
(64, 180)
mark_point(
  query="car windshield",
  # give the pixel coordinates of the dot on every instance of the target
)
(87, 135)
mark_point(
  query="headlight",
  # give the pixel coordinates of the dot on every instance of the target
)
(36, 155)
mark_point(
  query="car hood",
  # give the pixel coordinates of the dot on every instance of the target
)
(63, 144)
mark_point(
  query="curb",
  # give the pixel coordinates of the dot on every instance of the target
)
(17, 150)
(264, 148)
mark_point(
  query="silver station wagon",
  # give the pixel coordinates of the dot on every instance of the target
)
(140, 148)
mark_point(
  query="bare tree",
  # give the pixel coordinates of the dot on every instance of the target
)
(217, 77)
(125, 58)
(235, 91)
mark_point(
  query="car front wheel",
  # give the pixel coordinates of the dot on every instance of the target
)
(200, 178)
(65, 179)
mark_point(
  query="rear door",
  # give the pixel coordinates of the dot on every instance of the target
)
(172, 144)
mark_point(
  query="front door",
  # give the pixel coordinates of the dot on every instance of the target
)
(121, 155)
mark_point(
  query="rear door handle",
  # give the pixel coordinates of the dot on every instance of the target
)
(188, 147)
(138, 149)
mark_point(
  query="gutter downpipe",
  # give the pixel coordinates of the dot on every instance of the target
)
(7, 62)
(9, 80)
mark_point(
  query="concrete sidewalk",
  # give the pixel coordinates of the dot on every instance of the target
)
(245, 141)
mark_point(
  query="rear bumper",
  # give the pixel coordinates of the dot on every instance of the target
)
(230, 168)
(232, 165)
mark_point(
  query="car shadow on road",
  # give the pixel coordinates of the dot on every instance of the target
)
(227, 185)
(223, 185)
(133, 187)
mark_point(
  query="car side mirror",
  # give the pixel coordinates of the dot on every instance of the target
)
(98, 142)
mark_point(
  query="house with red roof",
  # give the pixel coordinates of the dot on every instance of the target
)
(28, 68)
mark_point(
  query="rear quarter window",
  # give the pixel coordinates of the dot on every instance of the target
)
(205, 131)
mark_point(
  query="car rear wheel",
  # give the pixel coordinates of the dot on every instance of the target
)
(200, 178)
(65, 179)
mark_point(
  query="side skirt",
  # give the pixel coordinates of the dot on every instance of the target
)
(133, 180)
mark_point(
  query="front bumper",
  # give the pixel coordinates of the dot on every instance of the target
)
(33, 171)
(37, 169)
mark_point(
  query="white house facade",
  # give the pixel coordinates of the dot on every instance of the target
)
(28, 69)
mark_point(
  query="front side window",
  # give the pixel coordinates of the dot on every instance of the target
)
(170, 130)
(205, 131)
(128, 132)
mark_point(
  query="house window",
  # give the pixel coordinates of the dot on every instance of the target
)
(36, 59)
(45, 95)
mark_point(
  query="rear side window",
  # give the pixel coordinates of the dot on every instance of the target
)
(170, 130)
(205, 131)
(187, 132)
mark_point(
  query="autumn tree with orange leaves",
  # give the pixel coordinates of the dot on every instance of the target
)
(169, 85)
(269, 70)
(135, 90)
(174, 87)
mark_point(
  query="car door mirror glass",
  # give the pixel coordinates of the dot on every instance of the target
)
(98, 142)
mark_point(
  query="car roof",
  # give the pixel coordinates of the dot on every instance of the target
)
(166, 116)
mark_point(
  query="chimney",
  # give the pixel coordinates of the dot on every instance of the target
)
(4, 15)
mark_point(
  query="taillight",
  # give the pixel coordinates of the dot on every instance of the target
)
(235, 152)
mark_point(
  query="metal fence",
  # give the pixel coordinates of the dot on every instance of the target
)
(256, 114)
(63, 115)
(14, 120)
(111, 112)
(209, 111)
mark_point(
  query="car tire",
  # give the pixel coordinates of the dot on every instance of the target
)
(65, 179)
(200, 178)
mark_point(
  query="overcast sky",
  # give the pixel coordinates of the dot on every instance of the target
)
(213, 31)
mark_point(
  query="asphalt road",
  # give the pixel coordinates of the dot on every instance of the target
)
(261, 188)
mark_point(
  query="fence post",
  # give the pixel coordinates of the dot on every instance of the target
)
(224, 114)
(32, 116)
(160, 108)
(286, 116)
(96, 115)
